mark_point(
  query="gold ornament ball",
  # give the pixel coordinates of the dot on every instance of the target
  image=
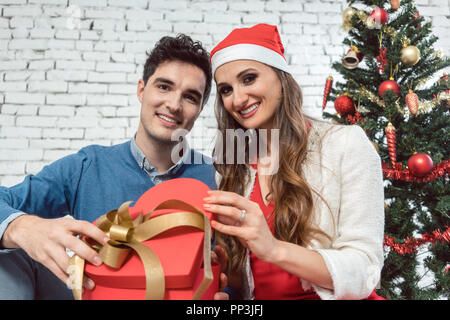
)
(348, 14)
(395, 4)
(410, 55)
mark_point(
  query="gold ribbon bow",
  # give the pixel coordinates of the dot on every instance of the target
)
(126, 235)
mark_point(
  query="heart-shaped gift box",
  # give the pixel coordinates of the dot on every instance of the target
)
(167, 231)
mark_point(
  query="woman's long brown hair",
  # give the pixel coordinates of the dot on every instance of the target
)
(292, 196)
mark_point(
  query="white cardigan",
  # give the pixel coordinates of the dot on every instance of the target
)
(344, 167)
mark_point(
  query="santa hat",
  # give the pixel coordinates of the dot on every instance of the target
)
(261, 43)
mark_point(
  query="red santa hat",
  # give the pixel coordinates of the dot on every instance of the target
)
(261, 43)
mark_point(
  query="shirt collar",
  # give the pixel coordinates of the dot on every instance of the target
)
(147, 167)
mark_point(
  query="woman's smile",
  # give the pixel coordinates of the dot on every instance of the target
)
(249, 111)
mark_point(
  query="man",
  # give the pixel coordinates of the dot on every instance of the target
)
(175, 87)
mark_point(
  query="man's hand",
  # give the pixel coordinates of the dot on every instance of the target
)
(46, 240)
(219, 256)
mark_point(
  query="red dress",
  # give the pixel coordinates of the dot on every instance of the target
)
(272, 282)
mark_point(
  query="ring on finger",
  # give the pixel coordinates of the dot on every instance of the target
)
(243, 215)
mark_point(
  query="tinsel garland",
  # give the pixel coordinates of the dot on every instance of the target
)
(424, 106)
(410, 245)
(355, 119)
(398, 173)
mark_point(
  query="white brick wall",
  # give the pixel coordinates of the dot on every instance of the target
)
(69, 68)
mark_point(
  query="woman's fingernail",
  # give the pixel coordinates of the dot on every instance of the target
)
(207, 199)
(213, 223)
(106, 240)
(207, 206)
(91, 284)
(97, 260)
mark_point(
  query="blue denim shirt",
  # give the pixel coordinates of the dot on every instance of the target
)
(150, 170)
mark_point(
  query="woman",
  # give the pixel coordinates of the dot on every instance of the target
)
(311, 227)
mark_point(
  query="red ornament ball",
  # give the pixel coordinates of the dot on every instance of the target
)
(380, 16)
(344, 105)
(388, 85)
(420, 164)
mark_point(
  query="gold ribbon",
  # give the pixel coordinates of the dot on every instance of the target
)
(126, 236)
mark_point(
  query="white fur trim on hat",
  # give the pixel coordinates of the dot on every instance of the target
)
(247, 51)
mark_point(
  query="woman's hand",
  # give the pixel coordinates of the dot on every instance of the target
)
(250, 227)
(254, 233)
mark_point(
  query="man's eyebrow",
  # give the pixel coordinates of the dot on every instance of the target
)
(195, 93)
(191, 91)
(164, 80)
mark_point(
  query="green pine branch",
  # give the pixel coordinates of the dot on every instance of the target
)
(413, 208)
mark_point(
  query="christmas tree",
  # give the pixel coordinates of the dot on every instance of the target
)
(386, 90)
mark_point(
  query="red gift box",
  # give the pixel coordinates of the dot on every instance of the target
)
(179, 246)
